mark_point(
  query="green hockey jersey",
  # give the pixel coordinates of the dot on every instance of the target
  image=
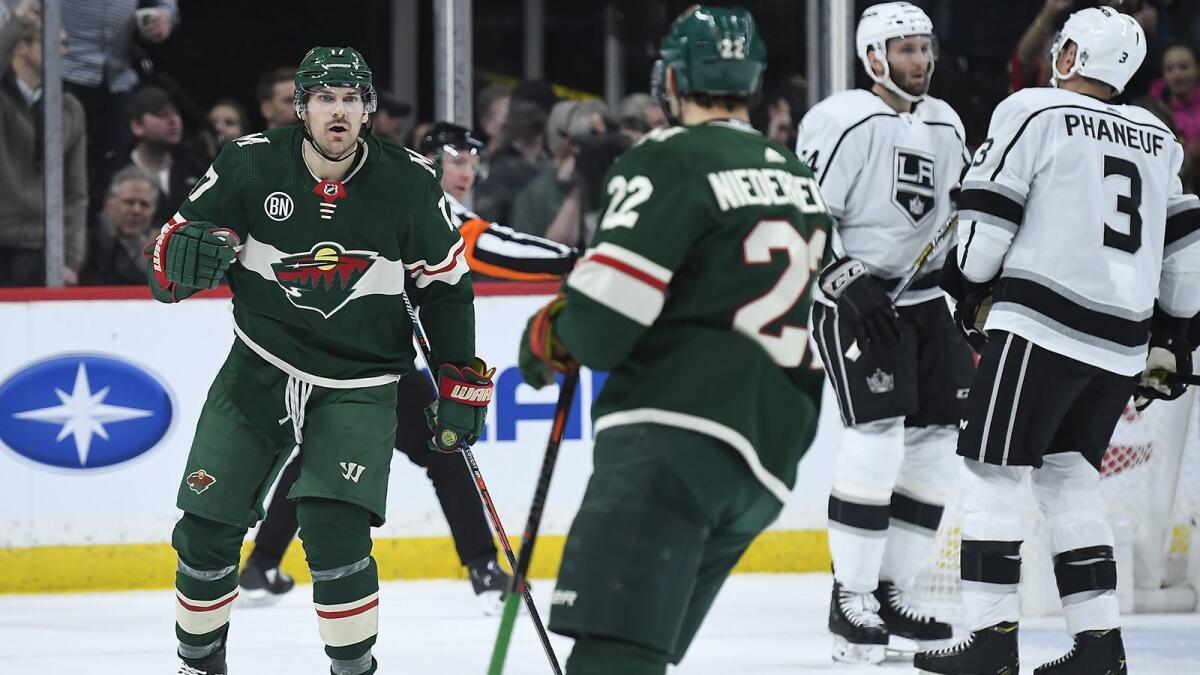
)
(321, 265)
(696, 293)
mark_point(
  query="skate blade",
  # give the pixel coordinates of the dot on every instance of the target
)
(902, 648)
(257, 597)
(847, 652)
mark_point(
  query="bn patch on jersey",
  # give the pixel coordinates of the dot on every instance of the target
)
(913, 185)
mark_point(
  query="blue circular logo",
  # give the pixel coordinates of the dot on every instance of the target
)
(83, 411)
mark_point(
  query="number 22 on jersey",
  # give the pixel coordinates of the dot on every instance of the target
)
(788, 344)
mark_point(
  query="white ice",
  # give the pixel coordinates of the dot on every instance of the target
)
(768, 624)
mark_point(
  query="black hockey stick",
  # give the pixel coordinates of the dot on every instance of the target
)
(934, 245)
(486, 497)
(562, 409)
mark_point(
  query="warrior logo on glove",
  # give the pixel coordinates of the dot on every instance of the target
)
(459, 414)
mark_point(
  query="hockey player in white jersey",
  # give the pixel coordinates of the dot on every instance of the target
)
(1073, 224)
(888, 161)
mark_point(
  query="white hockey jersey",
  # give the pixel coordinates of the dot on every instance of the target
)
(886, 177)
(1076, 203)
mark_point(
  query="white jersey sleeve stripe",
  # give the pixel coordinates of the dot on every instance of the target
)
(635, 260)
(617, 286)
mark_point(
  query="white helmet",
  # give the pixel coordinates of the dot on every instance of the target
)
(883, 22)
(1110, 46)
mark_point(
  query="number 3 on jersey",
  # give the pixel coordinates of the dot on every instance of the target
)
(788, 344)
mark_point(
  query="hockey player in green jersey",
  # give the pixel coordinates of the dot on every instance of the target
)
(696, 296)
(316, 227)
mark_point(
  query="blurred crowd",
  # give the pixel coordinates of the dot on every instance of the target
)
(135, 141)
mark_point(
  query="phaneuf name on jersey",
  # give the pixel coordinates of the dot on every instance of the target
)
(737, 188)
(1115, 131)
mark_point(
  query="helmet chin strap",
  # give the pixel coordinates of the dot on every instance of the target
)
(890, 84)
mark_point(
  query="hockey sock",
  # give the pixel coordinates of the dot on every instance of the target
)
(991, 543)
(205, 583)
(918, 501)
(1067, 489)
(337, 543)
(597, 656)
(867, 464)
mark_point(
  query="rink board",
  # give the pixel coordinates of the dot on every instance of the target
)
(93, 510)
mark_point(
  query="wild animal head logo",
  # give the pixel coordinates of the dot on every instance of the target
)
(199, 481)
(324, 278)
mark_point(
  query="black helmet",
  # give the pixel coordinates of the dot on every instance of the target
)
(447, 136)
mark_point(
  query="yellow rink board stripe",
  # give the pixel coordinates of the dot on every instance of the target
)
(120, 567)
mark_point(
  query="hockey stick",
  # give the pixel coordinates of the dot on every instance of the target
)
(935, 244)
(562, 409)
(486, 497)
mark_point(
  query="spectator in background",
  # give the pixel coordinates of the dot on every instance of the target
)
(1187, 172)
(535, 206)
(115, 252)
(491, 111)
(779, 111)
(275, 93)
(1179, 89)
(22, 217)
(227, 120)
(388, 120)
(638, 114)
(158, 130)
(521, 156)
(97, 67)
(539, 92)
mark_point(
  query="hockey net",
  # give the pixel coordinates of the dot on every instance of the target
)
(1151, 487)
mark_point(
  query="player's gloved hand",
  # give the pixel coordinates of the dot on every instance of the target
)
(458, 415)
(194, 254)
(541, 355)
(970, 315)
(1170, 357)
(863, 302)
(973, 301)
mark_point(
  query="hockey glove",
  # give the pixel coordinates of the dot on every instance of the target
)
(458, 415)
(973, 301)
(195, 255)
(541, 355)
(1170, 356)
(863, 302)
(970, 315)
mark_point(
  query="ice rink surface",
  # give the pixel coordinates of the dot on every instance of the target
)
(769, 624)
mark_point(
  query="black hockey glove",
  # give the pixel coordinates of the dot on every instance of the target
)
(863, 302)
(1170, 357)
(973, 301)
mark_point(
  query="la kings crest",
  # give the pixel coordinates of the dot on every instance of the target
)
(324, 278)
(913, 184)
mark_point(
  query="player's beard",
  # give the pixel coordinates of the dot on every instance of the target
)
(907, 86)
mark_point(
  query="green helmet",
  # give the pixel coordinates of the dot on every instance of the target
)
(714, 50)
(335, 67)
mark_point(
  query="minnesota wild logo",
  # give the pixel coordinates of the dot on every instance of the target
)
(323, 279)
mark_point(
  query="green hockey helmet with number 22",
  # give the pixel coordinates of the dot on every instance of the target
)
(713, 50)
